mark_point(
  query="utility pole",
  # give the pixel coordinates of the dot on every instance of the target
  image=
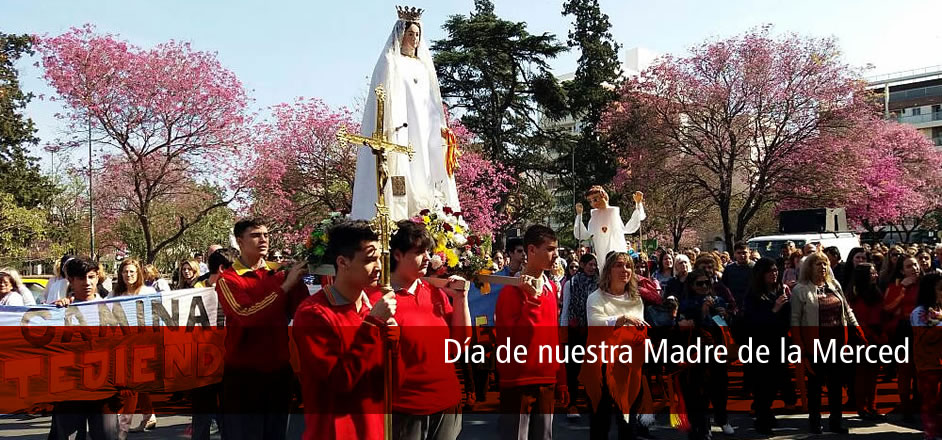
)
(91, 209)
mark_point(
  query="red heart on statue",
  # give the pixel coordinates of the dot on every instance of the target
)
(604, 229)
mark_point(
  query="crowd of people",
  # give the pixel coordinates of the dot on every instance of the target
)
(79, 279)
(876, 295)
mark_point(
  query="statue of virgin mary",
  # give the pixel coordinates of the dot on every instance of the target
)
(413, 116)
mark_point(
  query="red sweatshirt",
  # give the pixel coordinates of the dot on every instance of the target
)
(425, 383)
(257, 314)
(529, 322)
(341, 359)
(905, 308)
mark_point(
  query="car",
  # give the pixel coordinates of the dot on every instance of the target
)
(771, 245)
(36, 285)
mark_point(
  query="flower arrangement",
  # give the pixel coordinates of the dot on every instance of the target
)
(457, 251)
(316, 244)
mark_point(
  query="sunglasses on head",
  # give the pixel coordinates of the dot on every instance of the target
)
(704, 283)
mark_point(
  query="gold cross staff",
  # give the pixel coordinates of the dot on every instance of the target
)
(380, 147)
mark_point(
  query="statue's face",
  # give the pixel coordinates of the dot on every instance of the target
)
(410, 40)
(598, 201)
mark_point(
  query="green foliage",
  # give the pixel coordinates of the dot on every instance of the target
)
(589, 93)
(20, 227)
(496, 73)
(213, 228)
(21, 176)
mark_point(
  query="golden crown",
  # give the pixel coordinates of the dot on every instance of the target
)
(409, 13)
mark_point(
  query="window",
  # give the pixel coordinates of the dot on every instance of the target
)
(917, 111)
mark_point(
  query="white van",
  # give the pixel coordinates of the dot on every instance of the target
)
(771, 245)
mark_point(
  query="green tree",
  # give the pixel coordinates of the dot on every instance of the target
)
(20, 171)
(496, 73)
(589, 94)
(20, 227)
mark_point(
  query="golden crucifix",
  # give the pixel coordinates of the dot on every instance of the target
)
(380, 147)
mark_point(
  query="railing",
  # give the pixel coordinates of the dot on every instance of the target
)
(903, 74)
(917, 93)
(920, 119)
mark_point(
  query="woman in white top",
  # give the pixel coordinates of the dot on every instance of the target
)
(28, 298)
(131, 282)
(9, 296)
(615, 314)
(58, 286)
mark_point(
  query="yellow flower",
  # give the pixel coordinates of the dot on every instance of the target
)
(426, 219)
(452, 257)
(439, 245)
(458, 229)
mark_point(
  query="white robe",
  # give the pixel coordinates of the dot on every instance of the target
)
(412, 98)
(606, 229)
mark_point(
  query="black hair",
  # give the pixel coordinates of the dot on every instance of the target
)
(242, 225)
(833, 250)
(900, 262)
(660, 260)
(586, 258)
(513, 244)
(742, 245)
(79, 267)
(689, 291)
(862, 287)
(757, 286)
(410, 235)
(346, 238)
(220, 260)
(536, 235)
(926, 297)
(62, 262)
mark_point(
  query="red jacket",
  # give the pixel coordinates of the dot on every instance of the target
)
(424, 382)
(904, 309)
(257, 314)
(532, 323)
(342, 374)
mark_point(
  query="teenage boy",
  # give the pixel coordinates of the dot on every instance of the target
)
(69, 419)
(526, 316)
(258, 300)
(339, 336)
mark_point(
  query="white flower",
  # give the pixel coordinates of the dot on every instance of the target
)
(459, 240)
(436, 262)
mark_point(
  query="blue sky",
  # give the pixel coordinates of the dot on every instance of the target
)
(285, 49)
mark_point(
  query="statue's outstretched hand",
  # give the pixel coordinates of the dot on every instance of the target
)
(579, 208)
(638, 196)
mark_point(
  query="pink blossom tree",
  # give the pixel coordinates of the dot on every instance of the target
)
(165, 120)
(300, 171)
(481, 186)
(741, 114)
(895, 177)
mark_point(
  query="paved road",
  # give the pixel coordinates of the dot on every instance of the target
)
(482, 423)
(483, 427)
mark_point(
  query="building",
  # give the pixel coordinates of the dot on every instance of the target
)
(913, 97)
(635, 61)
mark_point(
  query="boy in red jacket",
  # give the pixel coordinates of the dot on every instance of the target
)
(258, 300)
(526, 316)
(338, 334)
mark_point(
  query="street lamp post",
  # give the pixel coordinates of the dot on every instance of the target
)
(91, 209)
